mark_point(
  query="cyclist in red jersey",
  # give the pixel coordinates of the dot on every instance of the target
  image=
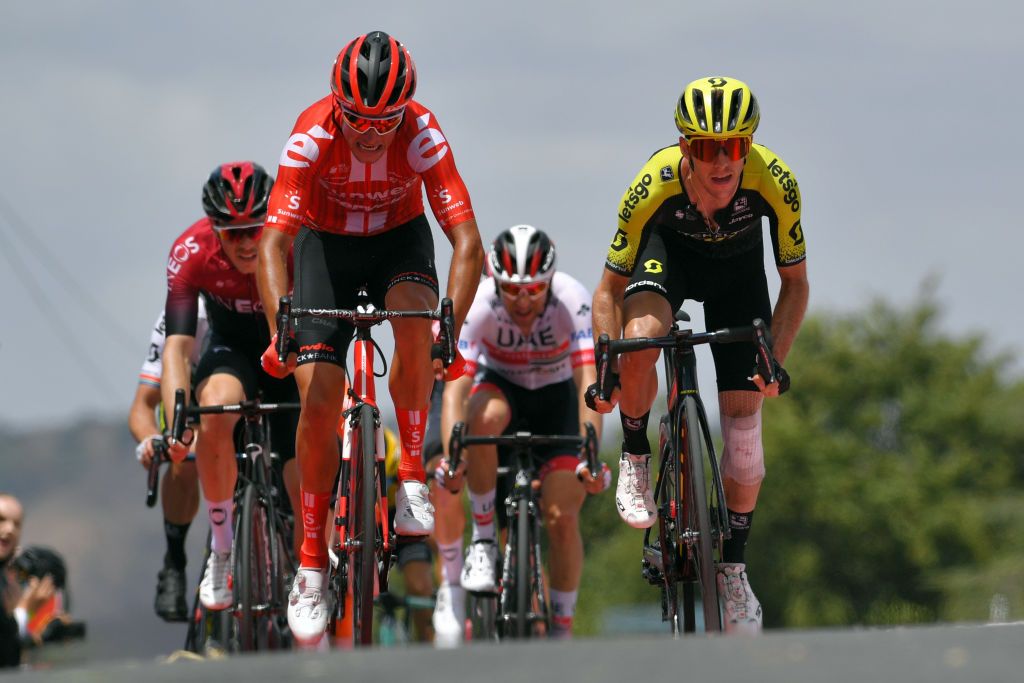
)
(349, 195)
(216, 259)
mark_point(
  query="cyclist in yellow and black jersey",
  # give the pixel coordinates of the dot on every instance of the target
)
(689, 227)
(658, 199)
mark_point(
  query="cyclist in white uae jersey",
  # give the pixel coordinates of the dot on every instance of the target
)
(179, 491)
(558, 342)
(528, 345)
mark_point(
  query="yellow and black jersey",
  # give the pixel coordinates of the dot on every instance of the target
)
(657, 197)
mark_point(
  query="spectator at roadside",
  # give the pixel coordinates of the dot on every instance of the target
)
(33, 588)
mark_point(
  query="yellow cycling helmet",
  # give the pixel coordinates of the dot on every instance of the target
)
(717, 107)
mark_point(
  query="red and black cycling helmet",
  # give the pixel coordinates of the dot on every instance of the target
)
(374, 75)
(237, 193)
(522, 255)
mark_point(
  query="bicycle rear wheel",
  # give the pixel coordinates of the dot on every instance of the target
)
(698, 516)
(521, 563)
(481, 609)
(661, 562)
(539, 612)
(364, 557)
(198, 627)
(253, 573)
(282, 570)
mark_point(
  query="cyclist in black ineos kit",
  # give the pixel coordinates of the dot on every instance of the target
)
(216, 259)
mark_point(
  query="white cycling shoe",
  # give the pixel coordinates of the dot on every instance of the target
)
(414, 514)
(307, 608)
(478, 572)
(215, 589)
(449, 615)
(741, 607)
(633, 496)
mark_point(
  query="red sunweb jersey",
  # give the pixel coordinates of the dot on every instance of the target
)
(322, 186)
(197, 265)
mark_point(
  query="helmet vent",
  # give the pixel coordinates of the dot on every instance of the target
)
(698, 109)
(734, 109)
(717, 105)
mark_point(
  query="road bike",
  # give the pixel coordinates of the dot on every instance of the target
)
(522, 609)
(262, 558)
(681, 551)
(361, 544)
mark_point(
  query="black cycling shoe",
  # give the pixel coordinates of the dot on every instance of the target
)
(170, 595)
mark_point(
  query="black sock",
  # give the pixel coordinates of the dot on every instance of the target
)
(634, 433)
(175, 534)
(739, 525)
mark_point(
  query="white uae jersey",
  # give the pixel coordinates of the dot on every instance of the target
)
(560, 340)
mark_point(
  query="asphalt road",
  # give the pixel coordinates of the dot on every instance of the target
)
(936, 654)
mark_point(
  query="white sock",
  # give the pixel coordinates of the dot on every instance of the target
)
(451, 562)
(483, 514)
(563, 608)
(221, 525)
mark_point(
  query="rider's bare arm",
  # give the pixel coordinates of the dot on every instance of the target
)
(272, 272)
(177, 373)
(453, 410)
(464, 274)
(607, 308)
(142, 418)
(453, 405)
(790, 308)
(584, 376)
(142, 414)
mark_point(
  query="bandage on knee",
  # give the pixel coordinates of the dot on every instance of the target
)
(743, 454)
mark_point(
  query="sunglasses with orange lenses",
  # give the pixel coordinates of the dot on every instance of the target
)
(706, 149)
(383, 125)
(231, 234)
(533, 289)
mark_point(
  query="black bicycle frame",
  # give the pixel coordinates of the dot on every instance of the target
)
(520, 620)
(255, 468)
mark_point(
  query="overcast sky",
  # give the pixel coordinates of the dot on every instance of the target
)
(898, 118)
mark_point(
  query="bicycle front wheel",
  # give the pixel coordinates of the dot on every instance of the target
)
(365, 529)
(698, 516)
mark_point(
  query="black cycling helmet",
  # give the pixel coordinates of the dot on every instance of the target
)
(374, 75)
(237, 193)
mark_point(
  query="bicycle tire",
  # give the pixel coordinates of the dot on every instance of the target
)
(365, 531)
(538, 601)
(522, 570)
(668, 542)
(278, 633)
(699, 516)
(482, 609)
(252, 571)
(196, 633)
(282, 568)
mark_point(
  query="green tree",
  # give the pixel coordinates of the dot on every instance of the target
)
(895, 484)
